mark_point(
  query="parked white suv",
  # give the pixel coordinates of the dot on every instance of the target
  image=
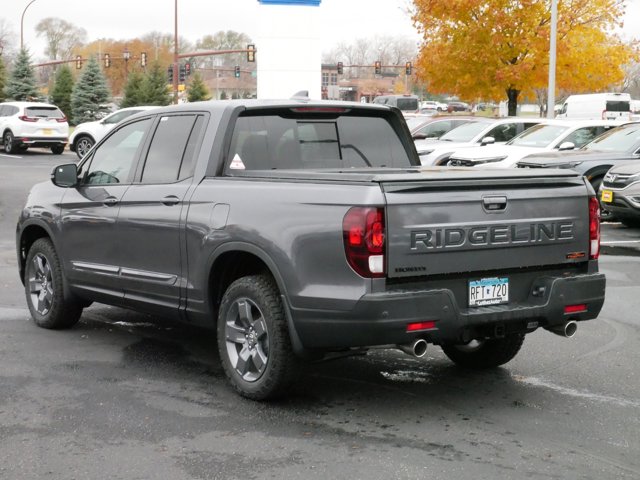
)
(33, 124)
(87, 134)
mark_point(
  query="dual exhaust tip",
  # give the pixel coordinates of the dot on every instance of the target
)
(567, 330)
(417, 348)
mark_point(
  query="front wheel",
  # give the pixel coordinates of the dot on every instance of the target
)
(44, 289)
(484, 354)
(83, 145)
(253, 339)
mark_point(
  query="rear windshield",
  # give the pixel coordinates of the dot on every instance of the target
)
(268, 142)
(43, 112)
(621, 139)
(405, 104)
(539, 136)
(618, 106)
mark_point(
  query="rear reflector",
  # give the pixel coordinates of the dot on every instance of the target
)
(414, 327)
(582, 307)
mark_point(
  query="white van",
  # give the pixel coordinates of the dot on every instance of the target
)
(406, 103)
(605, 106)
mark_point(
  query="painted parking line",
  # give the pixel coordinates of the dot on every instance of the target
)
(620, 242)
(9, 156)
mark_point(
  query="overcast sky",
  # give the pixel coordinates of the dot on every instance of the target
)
(339, 20)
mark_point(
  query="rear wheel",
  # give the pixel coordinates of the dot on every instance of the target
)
(630, 222)
(9, 143)
(483, 354)
(44, 291)
(253, 339)
(57, 149)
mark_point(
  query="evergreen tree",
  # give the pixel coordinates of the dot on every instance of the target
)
(133, 91)
(61, 92)
(3, 80)
(197, 90)
(90, 95)
(154, 87)
(22, 82)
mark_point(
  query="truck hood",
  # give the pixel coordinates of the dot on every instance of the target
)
(571, 159)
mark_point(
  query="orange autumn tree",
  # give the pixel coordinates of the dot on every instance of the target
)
(489, 48)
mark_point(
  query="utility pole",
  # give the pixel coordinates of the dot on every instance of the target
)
(175, 55)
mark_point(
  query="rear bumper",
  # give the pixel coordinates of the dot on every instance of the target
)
(381, 319)
(41, 141)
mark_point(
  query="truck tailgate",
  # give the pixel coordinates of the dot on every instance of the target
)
(481, 223)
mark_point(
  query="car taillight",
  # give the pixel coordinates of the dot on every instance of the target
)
(24, 118)
(594, 228)
(61, 120)
(363, 231)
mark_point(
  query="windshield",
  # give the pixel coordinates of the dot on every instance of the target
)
(465, 132)
(621, 139)
(539, 136)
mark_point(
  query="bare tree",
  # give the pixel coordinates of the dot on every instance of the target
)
(632, 79)
(229, 40)
(62, 37)
(7, 36)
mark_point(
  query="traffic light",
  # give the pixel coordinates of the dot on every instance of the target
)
(377, 67)
(251, 53)
(170, 73)
(143, 59)
(78, 62)
(407, 68)
(236, 71)
(187, 69)
(107, 60)
(340, 68)
(182, 73)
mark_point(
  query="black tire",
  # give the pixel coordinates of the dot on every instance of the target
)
(23, 148)
(57, 149)
(484, 354)
(43, 287)
(253, 339)
(9, 143)
(83, 145)
(630, 222)
(605, 215)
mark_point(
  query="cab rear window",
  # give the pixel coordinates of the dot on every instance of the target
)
(268, 142)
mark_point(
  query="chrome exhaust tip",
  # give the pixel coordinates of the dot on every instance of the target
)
(417, 348)
(567, 330)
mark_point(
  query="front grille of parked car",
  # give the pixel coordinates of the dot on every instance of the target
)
(617, 180)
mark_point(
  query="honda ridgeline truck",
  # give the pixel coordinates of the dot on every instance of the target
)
(306, 230)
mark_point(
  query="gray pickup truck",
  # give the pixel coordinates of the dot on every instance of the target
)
(307, 230)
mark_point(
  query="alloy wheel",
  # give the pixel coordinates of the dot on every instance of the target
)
(41, 284)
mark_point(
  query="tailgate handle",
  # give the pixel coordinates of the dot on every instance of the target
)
(493, 204)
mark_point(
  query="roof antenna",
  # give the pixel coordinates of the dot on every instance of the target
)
(301, 95)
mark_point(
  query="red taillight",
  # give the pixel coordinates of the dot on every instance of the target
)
(24, 118)
(363, 231)
(414, 327)
(582, 307)
(594, 228)
(61, 120)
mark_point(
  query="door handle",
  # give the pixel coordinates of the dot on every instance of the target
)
(110, 201)
(170, 200)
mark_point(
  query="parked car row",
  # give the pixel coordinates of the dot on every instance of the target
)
(606, 152)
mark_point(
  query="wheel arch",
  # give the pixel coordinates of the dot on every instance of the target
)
(28, 236)
(82, 135)
(597, 173)
(235, 260)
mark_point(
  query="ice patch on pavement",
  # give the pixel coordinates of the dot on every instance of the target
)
(538, 382)
(407, 376)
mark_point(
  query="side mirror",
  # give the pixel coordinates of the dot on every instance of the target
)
(419, 136)
(487, 141)
(65, 175)
(567, 146)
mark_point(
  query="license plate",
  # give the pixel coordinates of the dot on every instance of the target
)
(488, 291)
(606, 196)
(47, 131)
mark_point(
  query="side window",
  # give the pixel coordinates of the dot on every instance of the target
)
(504, 132)
(173, 141)
(582, 136)
(119, 116)
(112, 161)
(436, 129)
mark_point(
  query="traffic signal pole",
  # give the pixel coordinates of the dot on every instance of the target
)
(176, 57)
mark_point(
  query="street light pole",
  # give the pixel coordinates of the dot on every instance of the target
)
(175, 54)
(22, 25)
(551, 94)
